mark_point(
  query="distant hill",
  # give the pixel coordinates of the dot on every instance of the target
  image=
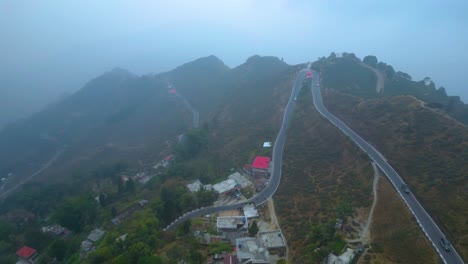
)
(122, 116)
(348, 74)
(117, 115)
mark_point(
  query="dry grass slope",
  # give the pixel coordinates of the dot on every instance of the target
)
(396, 237)
(321, 170)
(427, 149)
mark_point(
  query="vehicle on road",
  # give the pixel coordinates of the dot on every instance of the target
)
(295, 98)
(405, 188)
(445, 244)
(317, 85)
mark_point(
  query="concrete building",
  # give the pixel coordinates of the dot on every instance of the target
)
(226, 187)
(241, 180)
(344, 258)
(95, 235)
(272, 239)
(26, 255)
(249, 251)
(87, 246)
(250, 211)
(260, 166)
(55, 230)
(232, 223)
(194, 186)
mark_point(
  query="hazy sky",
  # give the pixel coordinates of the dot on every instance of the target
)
(49, 47)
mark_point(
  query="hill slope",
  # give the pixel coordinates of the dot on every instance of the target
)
(351, 75)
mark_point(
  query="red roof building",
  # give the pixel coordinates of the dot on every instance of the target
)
(230, 259)
(172, 91)
(260, 166)
(27, 254)
(261, 163)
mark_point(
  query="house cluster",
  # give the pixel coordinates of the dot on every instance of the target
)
(27, 255)
(142, 177)
(56, 230)
(256, 174)
(89, 244)
(258, 249)
(164, 163)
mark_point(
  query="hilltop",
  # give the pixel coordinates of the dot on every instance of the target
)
(119, 125)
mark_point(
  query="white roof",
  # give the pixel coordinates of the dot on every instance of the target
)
(194, 186)
(272, 239)
(231, 222)
(267, 144)
(225, 186)
(240, 179)
(250, 211)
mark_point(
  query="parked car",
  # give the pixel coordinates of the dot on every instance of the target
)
(445, 244)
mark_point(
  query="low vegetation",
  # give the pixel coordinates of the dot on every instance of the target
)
(325, 177)
(395, 234)
(428, 150)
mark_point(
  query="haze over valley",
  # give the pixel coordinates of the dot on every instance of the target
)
(233, 132)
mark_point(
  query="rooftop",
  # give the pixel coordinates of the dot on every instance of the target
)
(261, 162)
(230, 259)
(96, 234)
(194, 186)
(240, 179)
(87, 245)
(267, 144)
(344, 258)
(247, 248)
(272, 239)
(250, 211)
(25, 252)
(225, 186)
(231, 222)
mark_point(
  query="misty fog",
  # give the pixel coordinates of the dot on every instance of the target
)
(51, 48)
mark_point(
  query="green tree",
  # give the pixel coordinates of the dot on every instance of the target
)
(58, 249)
(253, 229)
(76, 212)
(370, 60)
(138, 251)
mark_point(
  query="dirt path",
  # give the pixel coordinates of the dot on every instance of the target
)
(274, 221)
(271, 210)
(365, 235)
(380, 79)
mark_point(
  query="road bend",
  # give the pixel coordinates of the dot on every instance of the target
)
(427, 224)
(277, 158)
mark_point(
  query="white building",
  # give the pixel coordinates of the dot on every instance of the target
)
(241, 180)
(250, 211)
(226, 186)
(194, 186)
(249, 251)
(232, 223)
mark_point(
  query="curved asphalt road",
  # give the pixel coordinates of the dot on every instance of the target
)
(271, 188)
(429, 227)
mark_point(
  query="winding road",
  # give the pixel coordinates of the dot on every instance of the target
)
(429, 227)
(271, 188)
